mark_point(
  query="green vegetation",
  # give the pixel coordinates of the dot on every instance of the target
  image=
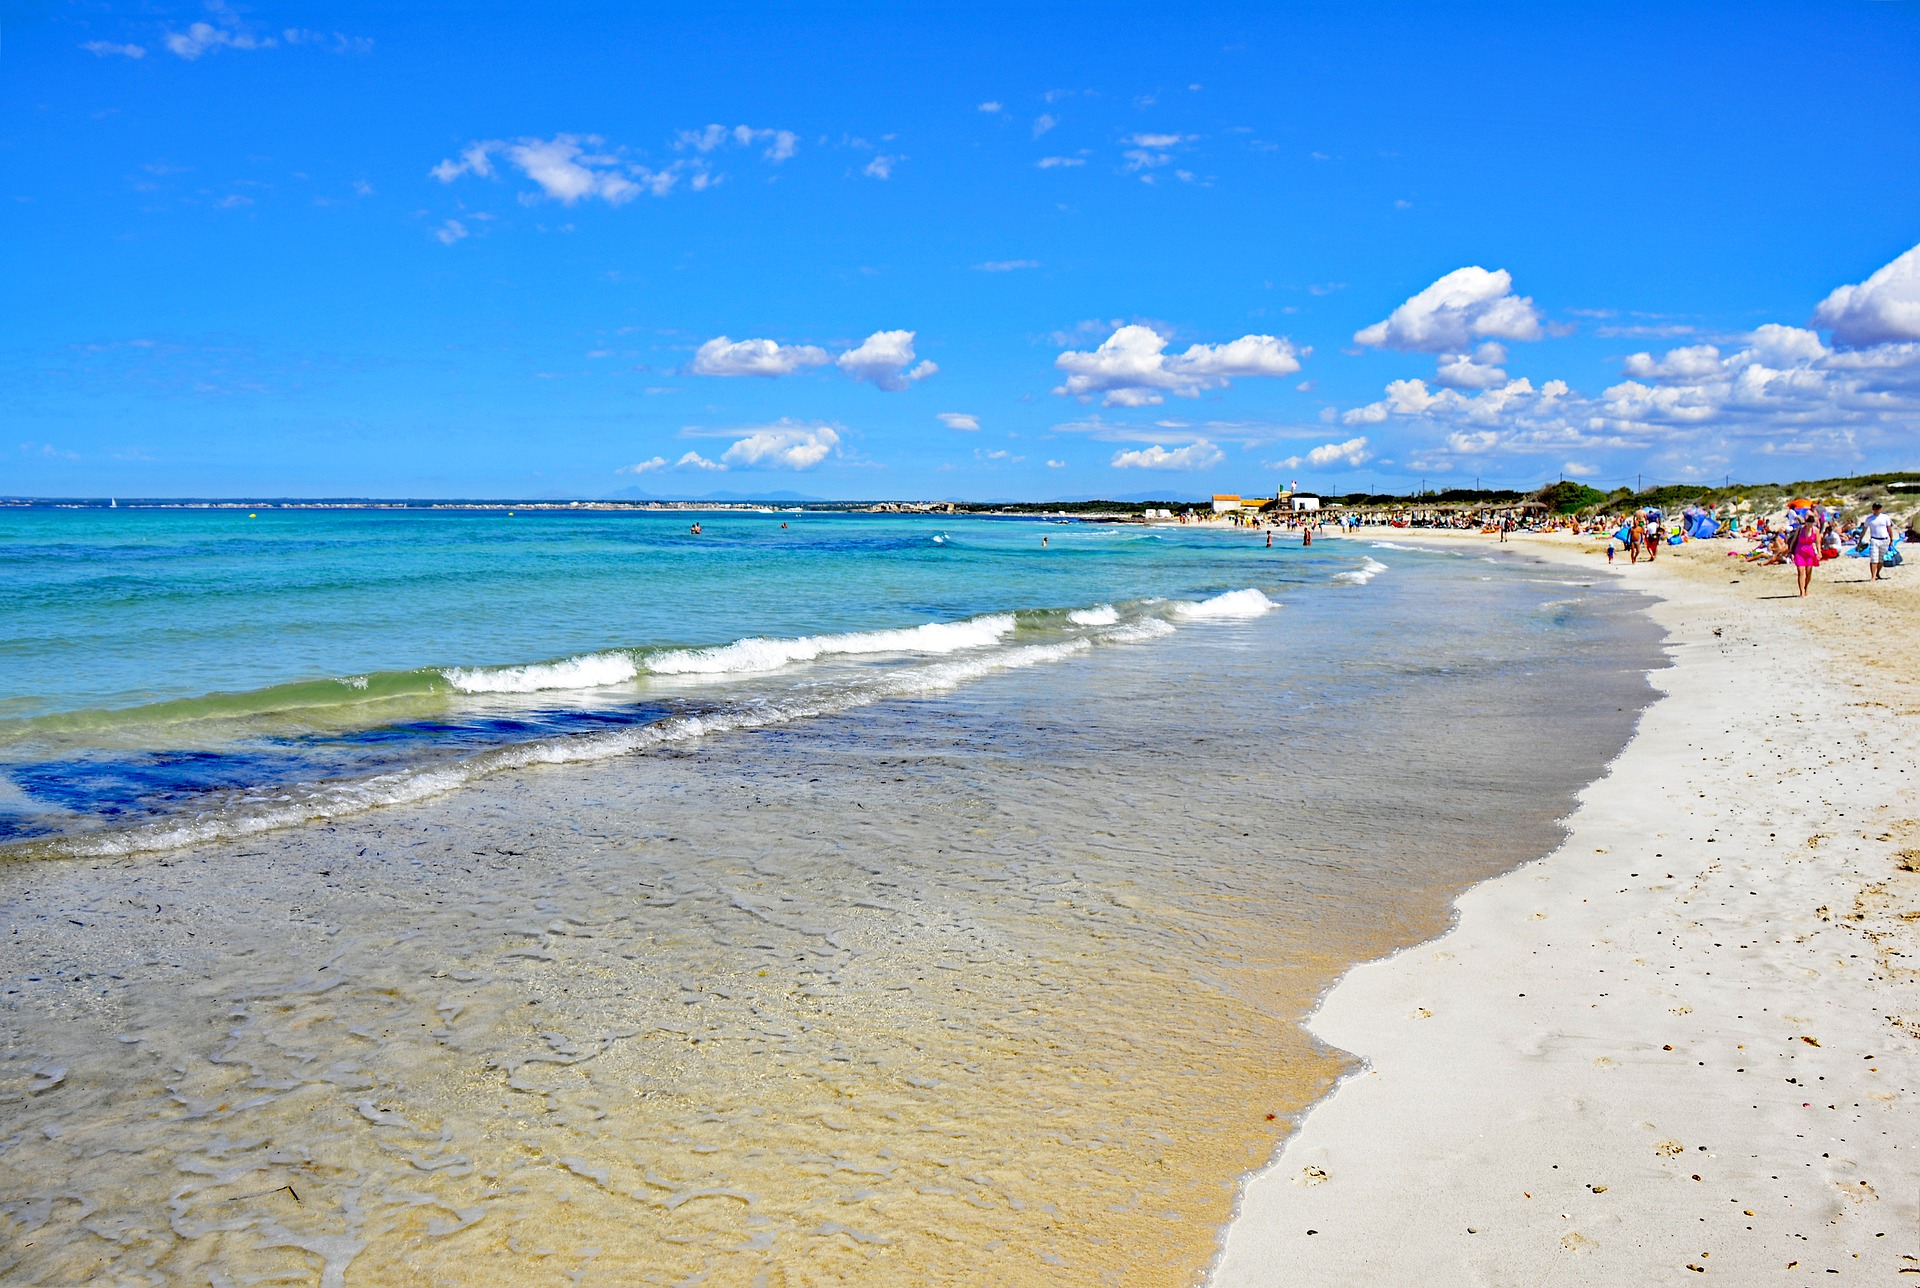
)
(1568, 497)
(1452, 496)
(1860, 489)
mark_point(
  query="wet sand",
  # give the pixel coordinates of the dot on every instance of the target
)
(1685, 1044)
(996, 987)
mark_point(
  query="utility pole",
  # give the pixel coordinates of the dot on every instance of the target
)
(1636, 484)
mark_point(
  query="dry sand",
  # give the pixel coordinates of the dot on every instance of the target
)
(1687, 1043)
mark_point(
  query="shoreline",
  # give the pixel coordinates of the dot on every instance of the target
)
(1649, 1112)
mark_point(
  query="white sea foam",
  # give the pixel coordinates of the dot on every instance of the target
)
(763, 654)
(1147, 628)
(1232, 603)
(1360, 576)
(334, 800)
(588, 671)
(1098, 615)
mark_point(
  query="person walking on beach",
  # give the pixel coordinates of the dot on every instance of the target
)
(1654, 530)
(1635, 536)
(1877, 532)
(1805, 544)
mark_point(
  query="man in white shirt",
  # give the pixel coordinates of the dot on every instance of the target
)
(1878, 533)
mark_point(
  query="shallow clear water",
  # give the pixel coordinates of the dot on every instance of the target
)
(990, 977)
(179, 674)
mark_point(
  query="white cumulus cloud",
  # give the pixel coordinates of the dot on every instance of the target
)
(1477, 370)
(722, 356)
(959, 420)
(1132, 369)
(644, 467)
(885, 360)
(1467, 305)
(1197, 455)
(1351, 453)
(695, 461)
(785, 445)
(450, 232)
(1884, 309)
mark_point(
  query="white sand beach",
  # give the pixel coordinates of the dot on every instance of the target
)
(1687, 1043)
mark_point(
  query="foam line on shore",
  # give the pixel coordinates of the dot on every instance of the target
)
(953, 654)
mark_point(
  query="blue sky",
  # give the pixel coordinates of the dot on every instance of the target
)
(952, 250)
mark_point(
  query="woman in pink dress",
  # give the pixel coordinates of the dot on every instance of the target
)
(1805, 543)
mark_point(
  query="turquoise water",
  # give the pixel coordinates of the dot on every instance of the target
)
(176, 674)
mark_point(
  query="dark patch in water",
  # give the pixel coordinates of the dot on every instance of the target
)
(157, 782)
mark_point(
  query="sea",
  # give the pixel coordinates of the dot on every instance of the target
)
(514, 896)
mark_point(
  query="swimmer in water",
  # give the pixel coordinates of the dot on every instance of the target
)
(1043, 543)
(695, 529)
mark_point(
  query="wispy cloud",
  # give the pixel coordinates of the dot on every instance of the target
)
(569, 168)
(959, 420)
(227, 30)
(1149, 152)
(780, 144)
(1006, 265)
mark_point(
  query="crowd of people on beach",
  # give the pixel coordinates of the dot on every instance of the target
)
(1805, 534)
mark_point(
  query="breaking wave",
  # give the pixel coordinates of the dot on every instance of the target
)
(1360, 576)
